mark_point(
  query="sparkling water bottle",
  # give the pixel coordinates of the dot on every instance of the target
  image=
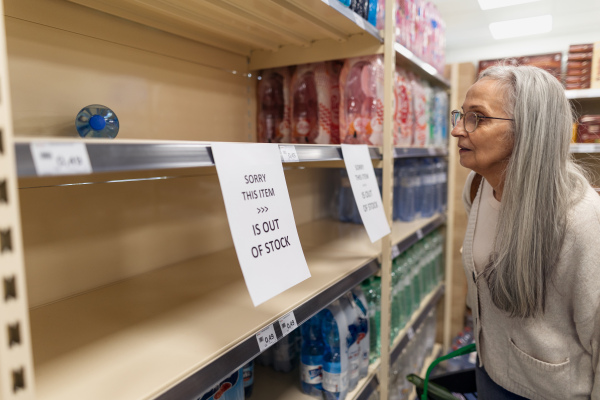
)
(311, 357)
(97, 121)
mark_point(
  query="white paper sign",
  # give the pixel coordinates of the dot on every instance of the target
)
(260, 218)
(288, 323)
(288, 153)
(60, 158)
(365, 190)
(266, 337)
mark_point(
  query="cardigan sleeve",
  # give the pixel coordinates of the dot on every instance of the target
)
(584, 265)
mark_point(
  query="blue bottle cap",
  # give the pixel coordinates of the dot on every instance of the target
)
(97, 122)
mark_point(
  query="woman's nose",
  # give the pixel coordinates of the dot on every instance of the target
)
(458, 130)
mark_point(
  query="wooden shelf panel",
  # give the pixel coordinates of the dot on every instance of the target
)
(244, 26)
(174, 332)
(405, 234)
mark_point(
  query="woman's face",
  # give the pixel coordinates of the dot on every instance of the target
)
(487, 149)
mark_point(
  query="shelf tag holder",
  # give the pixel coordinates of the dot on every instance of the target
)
(288, 323)
(60, 159)
(266, 337)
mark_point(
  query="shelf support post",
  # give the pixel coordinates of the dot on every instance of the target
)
(16, 361)
(389, 60)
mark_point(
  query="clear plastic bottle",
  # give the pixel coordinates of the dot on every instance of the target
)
(407, 190)
(248, 374)
(370, 288)
(335, 354)
(285, 353)
(364, 332)
(311, 357)
(372, 12)
(429, 185)
(97, 121)
(349, 307)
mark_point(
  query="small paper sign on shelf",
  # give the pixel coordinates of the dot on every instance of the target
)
(288, 153)
(60, 159)
(366, 190)
(260, 218)
(288, 323)
(266, 338)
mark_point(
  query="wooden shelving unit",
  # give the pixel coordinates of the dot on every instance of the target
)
(132, 288)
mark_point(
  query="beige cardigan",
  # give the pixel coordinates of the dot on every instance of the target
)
(555, 355)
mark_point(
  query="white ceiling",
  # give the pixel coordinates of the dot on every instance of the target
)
(468, 37)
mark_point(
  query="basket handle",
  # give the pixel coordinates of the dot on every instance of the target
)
(459, 352)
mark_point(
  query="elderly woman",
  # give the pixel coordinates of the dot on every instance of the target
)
(532, 247)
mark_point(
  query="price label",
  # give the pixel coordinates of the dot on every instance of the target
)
(60, 158)
(266, 338)
(431, 151)
(395, 252)
(410, 333)
(288, 323)
(419, 234)
(288, 154)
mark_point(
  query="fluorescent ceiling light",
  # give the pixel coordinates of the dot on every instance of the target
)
(521, 27)
(491, 4)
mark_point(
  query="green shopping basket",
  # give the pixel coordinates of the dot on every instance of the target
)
(438, 390)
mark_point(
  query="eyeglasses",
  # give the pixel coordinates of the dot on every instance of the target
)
(470, 119)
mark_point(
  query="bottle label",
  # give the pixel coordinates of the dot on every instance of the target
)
(311, 374)
(334, 382)
(303, 127)
(248, 376)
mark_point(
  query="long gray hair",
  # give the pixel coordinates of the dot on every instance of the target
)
(541, 184)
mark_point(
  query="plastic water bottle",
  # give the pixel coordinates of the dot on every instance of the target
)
(440, 117)
(311, 357)
(347, 209)
(335, 355)
(285, 353)
(349, 307)
(372, 289)
(408, 182)
(97, 121)
(428, 181)
(372, 12)
(364, 331)
(230, 388)
(248, 374)
(361, 7)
